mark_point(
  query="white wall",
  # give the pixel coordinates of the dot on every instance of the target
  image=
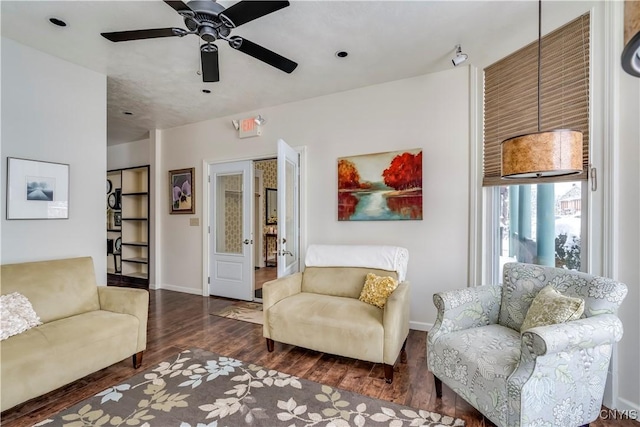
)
(120, 156)
(430, 112)
(627, 219)
(55, 111)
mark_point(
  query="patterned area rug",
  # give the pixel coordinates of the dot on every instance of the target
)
(201, 389)
(245, 311)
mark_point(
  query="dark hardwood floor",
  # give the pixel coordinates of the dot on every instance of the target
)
(180, 321)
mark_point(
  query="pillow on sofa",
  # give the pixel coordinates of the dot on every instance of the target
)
(550, 307)
(377, 289)
(16, 314)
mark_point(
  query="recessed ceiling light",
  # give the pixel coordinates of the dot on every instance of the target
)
(342, 54)
(206, 91)
(58, 22)
(127, 113)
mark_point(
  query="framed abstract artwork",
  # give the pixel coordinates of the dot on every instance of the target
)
(381, 186)
(183, 191)
(37, 190)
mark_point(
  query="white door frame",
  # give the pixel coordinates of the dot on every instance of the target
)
(288, 155)
(206, 214)
(257, 233)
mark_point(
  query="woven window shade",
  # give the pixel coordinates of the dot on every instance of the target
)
(510, 97)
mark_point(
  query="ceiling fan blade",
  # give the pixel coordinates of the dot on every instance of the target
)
(123, 36)
(248, 10)
(177, 5)
(209, 58)
(262, 53)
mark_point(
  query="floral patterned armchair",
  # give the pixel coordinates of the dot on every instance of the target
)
(545, 376)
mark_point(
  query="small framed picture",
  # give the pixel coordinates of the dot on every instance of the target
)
(117, 219)
(182, 191)
(37, 190)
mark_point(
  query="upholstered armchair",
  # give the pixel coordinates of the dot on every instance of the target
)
(551, 375)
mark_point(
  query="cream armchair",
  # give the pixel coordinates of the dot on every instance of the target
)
(319, 309)
(550, 375)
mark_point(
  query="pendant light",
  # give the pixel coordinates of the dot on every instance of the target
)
(542, 153)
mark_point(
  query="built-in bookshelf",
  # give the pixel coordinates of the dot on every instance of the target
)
(130, 258)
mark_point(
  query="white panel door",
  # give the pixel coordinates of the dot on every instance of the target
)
(231, 234)
(288, 210)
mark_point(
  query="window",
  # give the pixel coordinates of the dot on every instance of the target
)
(538, 221)
(541, 224)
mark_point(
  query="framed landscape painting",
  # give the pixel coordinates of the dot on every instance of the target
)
(380, 186)
(37, 190)
(182, 189)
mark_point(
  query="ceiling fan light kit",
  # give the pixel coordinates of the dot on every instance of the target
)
(542, 154)
(211, 22)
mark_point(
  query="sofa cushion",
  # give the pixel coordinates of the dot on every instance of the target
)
(377, 289)
(339, 281)
(550, 307)
(522, 282)
(56, 353)
(335, 325)
(56, 289)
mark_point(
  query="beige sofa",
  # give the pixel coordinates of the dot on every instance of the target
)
(319, 309)
(84, 328)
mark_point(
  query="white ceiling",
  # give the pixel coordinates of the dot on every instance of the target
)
(156, 79)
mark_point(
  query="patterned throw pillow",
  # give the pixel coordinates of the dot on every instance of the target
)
(377, 289)
(550, 307)
(17, 315)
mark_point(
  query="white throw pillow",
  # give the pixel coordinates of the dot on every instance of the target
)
(16, 315)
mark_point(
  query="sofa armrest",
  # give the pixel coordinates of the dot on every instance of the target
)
(395, 321)
(572, 336)
(465, 308)
(279, 289)
(128, 301)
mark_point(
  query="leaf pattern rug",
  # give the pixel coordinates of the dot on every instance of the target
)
(201, 389)
(245, 311)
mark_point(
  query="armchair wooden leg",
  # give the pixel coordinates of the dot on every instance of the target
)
(403, 352)
(438, 387)
(269, 345)
(137, 359)
(388, 373)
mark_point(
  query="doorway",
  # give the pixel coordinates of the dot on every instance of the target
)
(265, 224)
(233, 228)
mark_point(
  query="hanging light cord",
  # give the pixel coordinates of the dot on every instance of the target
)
(539, 61)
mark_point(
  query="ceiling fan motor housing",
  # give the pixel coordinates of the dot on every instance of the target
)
(206, 7)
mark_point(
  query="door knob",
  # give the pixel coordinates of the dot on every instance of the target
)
(247, 241)
(287, 253)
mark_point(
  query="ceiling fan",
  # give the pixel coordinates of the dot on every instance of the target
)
(211, 22)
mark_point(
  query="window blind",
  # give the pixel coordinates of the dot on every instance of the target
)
(510, 96)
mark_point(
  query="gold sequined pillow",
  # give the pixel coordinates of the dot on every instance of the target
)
(377, 289)
(550, 307)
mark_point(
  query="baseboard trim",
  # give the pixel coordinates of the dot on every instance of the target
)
(627, 405)
(182, 289)
(420, 326)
